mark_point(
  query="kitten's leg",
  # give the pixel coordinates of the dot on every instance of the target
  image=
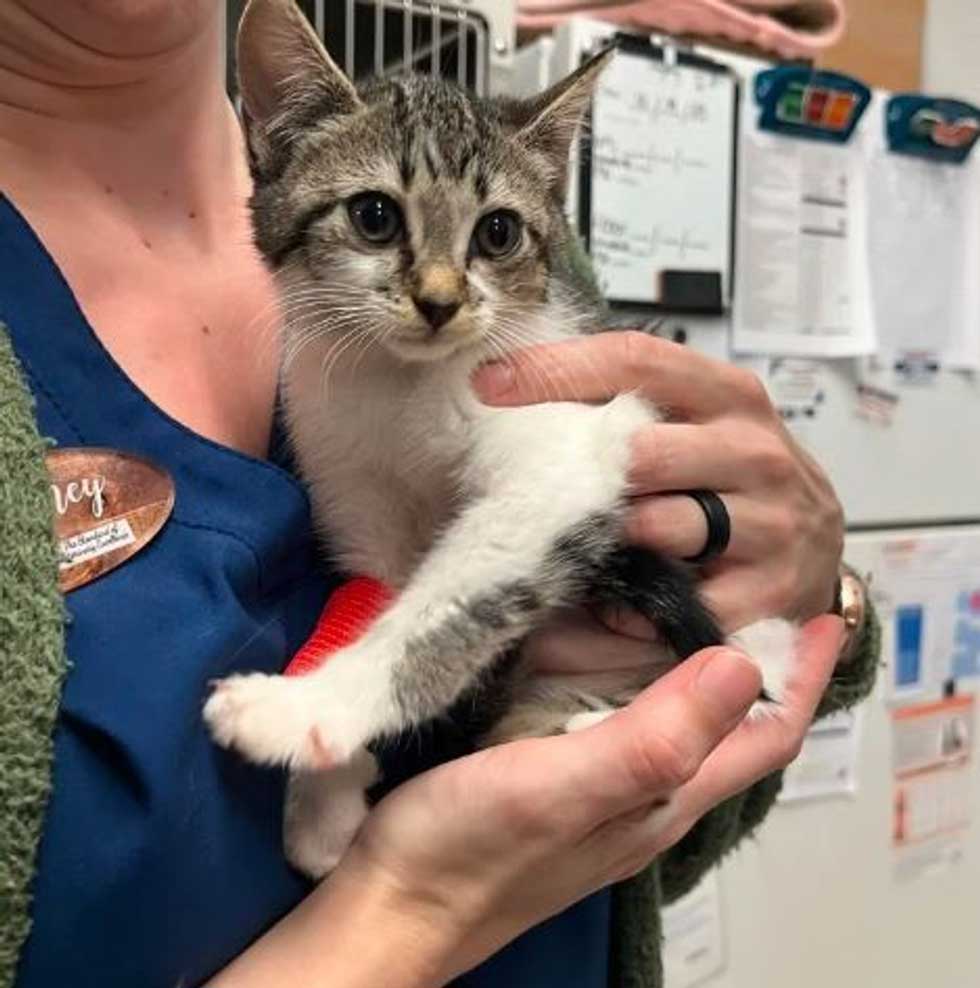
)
(548, 484)
(323, 812)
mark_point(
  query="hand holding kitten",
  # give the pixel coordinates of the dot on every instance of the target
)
(721, 434)
(536, 825)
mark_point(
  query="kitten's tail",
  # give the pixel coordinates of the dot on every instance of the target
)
(664, 592)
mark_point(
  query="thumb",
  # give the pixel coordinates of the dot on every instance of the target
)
(656, 744)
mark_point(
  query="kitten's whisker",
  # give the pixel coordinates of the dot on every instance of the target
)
(513, 333)
(349, 340)
(300, 338)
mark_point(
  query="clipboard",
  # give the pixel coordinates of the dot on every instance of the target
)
(658, 178)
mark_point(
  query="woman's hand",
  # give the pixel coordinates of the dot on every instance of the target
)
(459, 861)
(722, 434)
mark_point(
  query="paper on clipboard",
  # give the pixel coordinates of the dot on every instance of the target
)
(662, 167)
(801, 279)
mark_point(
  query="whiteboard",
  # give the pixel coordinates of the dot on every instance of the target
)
(658, 185)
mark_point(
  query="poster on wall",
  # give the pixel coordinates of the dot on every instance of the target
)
(926, 587)
(932, 764)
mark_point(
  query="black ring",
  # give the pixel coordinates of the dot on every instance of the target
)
(719, 526)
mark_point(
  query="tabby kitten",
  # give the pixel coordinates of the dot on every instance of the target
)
(415, 232)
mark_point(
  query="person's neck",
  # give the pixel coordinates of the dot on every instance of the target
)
(155, 132)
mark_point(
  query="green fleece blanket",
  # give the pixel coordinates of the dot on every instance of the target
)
(32, 658)
(33, 665)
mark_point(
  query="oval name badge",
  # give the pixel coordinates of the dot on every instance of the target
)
(108, 505)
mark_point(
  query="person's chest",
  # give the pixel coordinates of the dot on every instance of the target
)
(193, 320)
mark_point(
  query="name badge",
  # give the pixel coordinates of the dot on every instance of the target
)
(107, 506)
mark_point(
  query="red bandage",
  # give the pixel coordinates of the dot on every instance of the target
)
(348, 613)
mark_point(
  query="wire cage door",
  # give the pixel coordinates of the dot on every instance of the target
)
(378, 37)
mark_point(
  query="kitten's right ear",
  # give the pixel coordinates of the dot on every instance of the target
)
(547, 123)
(285, 77)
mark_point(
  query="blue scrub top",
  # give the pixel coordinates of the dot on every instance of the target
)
(161, 857)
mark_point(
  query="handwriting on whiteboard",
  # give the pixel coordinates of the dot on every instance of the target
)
(633, 167)
(615, 244)
(661, 160)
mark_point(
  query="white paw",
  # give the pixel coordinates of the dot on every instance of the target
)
(588, 718)
(312, 722)
(269, 719)
(323, 813)
(772, 645)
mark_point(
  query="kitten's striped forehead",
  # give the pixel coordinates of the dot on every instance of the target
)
(436, 127)
(441, 153)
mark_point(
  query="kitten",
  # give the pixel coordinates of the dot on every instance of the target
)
(415, 232)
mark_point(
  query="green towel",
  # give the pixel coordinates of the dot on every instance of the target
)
(635, 960)
(33, 664)
(32, 656)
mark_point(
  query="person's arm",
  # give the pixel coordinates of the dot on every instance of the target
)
(457, 862)
(358, 929)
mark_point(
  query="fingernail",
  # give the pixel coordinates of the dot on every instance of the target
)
(729, 680)
(494, 380)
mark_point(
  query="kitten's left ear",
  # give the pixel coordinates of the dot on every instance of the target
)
(547, 123)
(286, 78)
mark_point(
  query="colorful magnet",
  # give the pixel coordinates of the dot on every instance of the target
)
(930, 127)
(804, 102)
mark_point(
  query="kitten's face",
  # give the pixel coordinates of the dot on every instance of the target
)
(424, 216)
(406, 213)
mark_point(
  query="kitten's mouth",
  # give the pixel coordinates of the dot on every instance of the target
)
(422, 349)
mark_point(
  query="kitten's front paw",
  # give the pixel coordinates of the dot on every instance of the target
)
(772, 645)
(270, 720)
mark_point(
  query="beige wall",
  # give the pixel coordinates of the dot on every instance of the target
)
(883, 43)
(951, 49)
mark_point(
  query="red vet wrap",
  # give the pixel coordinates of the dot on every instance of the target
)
(348, 613)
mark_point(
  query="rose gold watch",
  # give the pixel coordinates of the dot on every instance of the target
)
(851, 605)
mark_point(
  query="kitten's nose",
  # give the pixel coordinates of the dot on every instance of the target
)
(436, 312)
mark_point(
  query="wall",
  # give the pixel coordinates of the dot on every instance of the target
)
(882, 44)
(951, 64)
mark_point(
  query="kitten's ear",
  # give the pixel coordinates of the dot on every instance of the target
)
(285, 77)
(547, 123)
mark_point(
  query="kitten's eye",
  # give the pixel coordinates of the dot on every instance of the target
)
(375, 216)
(497, 233)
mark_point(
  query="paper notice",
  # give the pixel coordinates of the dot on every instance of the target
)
(693, 940)
(932, 755)
(827, 764)
(801, 283)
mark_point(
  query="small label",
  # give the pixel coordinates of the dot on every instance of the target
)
(94, 543)
(876, 404)
(796, 387)
(107, 506)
